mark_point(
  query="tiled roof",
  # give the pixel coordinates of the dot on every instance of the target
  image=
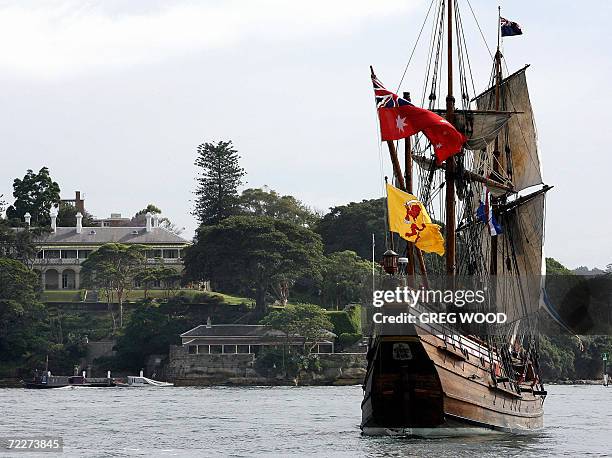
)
(236, 330)
(225, 330)
(101, 235)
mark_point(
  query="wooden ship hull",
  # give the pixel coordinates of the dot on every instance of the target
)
(444, 386)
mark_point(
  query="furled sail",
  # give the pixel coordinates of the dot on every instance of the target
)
(518, 160)
(480, 127)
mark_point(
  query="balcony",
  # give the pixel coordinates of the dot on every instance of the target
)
(58, 261)
(77, 261)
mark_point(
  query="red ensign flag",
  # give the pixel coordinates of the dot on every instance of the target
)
(400, 119)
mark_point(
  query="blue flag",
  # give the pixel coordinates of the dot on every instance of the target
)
(485, 214)
(509, 28)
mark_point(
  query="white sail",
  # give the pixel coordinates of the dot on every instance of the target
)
(519, 139)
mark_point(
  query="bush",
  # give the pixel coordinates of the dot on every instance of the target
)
(343, 324)
(269, 363)
(346, 339)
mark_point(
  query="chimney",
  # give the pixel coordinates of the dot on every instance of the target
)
(78, 202)
(155, 220)
(148, 216)
(27, 218)
(208, 323)
(53, 214)
(79, 223)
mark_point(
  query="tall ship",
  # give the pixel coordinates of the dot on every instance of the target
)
(487, 197)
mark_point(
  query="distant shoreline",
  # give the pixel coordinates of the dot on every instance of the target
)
(575, 382)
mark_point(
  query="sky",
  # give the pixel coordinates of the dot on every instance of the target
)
(115, 96)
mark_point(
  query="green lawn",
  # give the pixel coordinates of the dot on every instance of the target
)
(134, 295)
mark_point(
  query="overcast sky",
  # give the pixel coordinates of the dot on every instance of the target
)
(114, 97)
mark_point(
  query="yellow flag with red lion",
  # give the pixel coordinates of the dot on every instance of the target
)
(408, 217)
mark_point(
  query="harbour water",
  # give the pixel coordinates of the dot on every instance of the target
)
(275, 421)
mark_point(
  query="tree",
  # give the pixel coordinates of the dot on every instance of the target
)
(554, 267)
(114, 267)
(151, 329)
(350, 227)
(66, 216)
(21, 313)
(147, 277)
(19, 243)
(36, 193)
(139, 219)
(255, 254)
(343, 278)
(300, 320)
(218, 181)
(267, 202)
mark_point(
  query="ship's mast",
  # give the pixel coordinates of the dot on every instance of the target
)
(449, 174)
(409, 190)
(496, 153)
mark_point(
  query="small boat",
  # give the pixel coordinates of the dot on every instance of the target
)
(47, 380)
(140, 381)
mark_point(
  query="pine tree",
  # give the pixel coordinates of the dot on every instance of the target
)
(218, 182)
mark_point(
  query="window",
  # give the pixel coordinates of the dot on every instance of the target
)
(325, 348)
(170, 254)
(255, 349)
(229, 349)
(69, 254)
(52, 254)
(68, 279)
(84, 253)
(243, 349)
(203, 349)
(192, 349)
(216, 349)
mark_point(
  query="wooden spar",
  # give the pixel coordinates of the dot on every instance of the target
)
(408, 173)
(397, 170)
(427, 163)
(449, 174)
(505, 208)
(496, 154)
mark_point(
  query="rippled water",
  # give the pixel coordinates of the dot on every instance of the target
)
(279, 421)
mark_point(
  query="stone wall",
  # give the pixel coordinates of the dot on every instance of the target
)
(99, 349)
(205, 369)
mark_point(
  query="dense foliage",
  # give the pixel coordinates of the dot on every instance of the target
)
(350, 227)
(66, 216)
(30, 334)
(254, 255)
(35, 194)
(344, 275)
(267, 202)
(113, 267)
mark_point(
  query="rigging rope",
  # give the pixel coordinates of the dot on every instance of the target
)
(415, 45)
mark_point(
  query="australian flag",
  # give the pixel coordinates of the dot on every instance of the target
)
(509, 28)
(485, 213)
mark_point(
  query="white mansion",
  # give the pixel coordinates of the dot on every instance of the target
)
(64, 249)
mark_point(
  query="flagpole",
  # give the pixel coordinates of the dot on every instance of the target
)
(496, 152)
(498, 25)
(449, 174)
